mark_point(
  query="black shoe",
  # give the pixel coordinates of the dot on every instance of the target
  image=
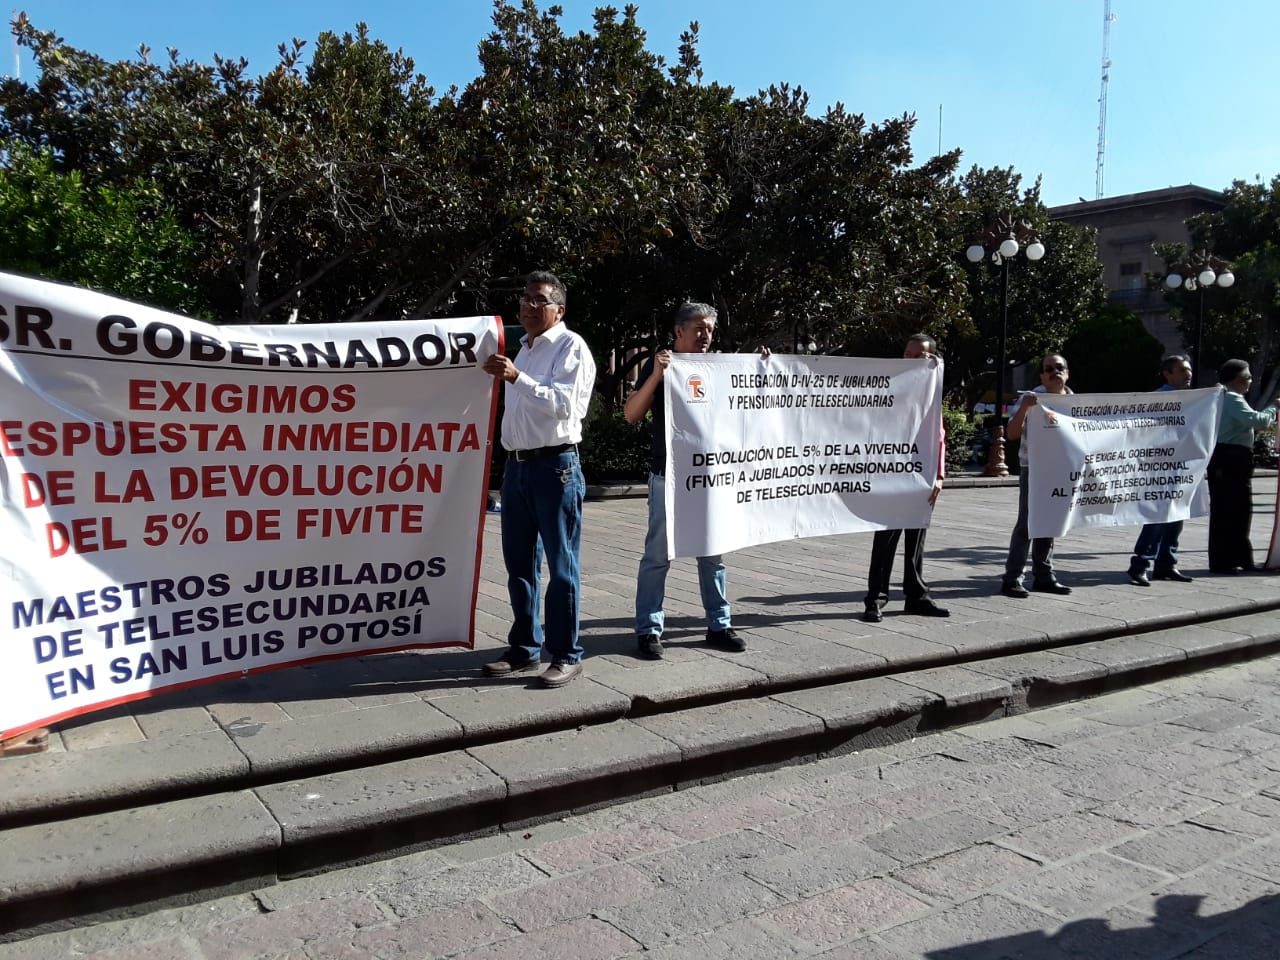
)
(872, 615)
(726, 639)
(649, 646)
(925, 607)
(1173, 573)
(509, 664)
(1139, 578)
(1050, 586)
(1015, 590)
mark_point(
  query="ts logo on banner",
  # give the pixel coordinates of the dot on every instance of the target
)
(695, 389)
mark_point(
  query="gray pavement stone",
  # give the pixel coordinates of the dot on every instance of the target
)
(50, 782)
(512, 709)
(600, 847)
(1042, 668)
(418, 893)
(436, 933)
(933, 836)
(586, 938)
(438, 787)
(524, 841)
(62, 858)
(803, 873)
(960, 686)
(738, 727)
(558, 771)
(860, 703)
(573, 896)
(847, 912)
(318, 740)
(159, 722)
(728, 853)
(721, 818)
(1064, 837)
(92, 733)
(1180, 847)
(815, 827)
(1122, 655)
(959, 875)
(1087, 885)
(986, 926)
(676, 910)
(1257, 816)
(739, 940)
(274, 933)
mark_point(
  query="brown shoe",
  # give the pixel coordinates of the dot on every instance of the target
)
(558, 674)
(510, 664)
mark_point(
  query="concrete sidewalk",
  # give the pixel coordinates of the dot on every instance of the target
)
(238, 784)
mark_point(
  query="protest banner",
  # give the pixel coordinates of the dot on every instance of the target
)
(184, 502)
(1101, 460)
(767, 449)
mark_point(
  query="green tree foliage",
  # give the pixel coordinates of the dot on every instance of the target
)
(1242, 320)
(122, 240)
(1047, 298)
(345, 187)
(1112, 352)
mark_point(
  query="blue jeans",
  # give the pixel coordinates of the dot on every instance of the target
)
(1157, 545)
(542, 511)
(651, 581)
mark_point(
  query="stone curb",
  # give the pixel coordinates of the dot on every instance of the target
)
(52, 787)
(130, 861)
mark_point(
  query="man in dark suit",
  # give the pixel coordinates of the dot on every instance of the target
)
(884, 545)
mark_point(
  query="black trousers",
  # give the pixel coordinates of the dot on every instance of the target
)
(1230, 507)
(884, 546)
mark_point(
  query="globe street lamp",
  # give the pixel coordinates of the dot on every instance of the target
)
(1001, 242)
(1199, 270)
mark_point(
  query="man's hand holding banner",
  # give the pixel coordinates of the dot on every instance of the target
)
(766, 449)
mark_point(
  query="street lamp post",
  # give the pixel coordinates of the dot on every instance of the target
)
(1199, 270)
(1001, 241)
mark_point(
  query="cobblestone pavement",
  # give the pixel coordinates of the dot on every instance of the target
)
(1142, 824)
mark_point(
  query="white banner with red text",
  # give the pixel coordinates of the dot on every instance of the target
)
(184, 502)
(1112, 459)
(767, 449)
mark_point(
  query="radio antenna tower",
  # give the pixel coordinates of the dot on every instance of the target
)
(1107, 17)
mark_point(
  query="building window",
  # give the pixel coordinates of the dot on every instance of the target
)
(1131, 276)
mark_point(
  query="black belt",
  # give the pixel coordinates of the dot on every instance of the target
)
(541, 453)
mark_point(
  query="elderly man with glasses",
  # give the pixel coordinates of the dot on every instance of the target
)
(547, 390)
(1053, 379)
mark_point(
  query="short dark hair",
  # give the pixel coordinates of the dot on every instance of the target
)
(1173, 361)
(692, 310)
(930, 345)
(1232, 369)
(540, 277)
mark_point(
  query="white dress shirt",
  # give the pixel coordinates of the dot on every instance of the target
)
(547, 402)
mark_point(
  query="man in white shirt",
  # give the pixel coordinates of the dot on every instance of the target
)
(547, 390)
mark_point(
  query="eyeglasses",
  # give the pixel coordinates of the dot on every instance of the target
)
(1054, 368)
(538, 302)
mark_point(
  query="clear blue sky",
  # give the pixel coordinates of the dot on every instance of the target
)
(1194, 95)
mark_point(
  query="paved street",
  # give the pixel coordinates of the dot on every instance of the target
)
(1142, 824)
(1144, 821)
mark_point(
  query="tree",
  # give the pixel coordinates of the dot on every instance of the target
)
(1047, 298)
(1117, 353)
(121, 240)
(1242, 320)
